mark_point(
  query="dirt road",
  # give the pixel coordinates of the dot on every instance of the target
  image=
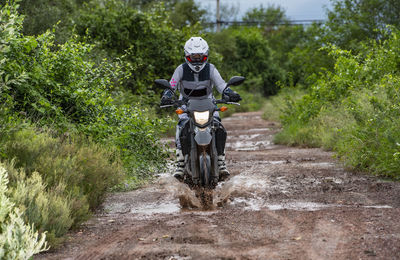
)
(280, 203)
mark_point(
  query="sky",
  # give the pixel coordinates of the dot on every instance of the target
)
(295, 9)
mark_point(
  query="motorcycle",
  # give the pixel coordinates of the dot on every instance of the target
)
(199, 141)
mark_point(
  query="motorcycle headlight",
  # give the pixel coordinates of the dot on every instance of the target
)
(201, 118)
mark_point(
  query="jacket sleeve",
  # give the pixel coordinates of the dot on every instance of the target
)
(216, 79)
(176, 78)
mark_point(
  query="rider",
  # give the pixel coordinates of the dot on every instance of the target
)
(195, 79)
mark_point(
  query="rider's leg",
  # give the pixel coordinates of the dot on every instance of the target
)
(180, 159)
(220, 135)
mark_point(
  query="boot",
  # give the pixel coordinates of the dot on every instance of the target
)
(222, 170)
(180, 165)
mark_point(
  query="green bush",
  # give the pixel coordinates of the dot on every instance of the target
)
(146, 43)
(250, 102)
(59, 86)
(246, 52)
(275, 106)
(355, 109)
(87, 169)
(17, 239)
(60, 179)
(48, 208)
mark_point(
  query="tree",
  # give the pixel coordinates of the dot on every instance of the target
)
(41, 15)
(352, 21)
(145, 42)
(246, 52)
(271, 15)
(186, 13)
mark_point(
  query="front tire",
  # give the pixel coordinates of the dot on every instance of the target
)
(205, 167)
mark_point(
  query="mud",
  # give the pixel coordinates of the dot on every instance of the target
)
(280, 203)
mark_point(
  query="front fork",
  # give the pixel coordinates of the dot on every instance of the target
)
(195, 157)
(214, 159)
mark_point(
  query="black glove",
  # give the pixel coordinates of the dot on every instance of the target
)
(166, 98)
(230, 96)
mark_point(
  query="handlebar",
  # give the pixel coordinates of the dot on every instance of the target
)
(223, 101)
(178, 103)
(175, 103)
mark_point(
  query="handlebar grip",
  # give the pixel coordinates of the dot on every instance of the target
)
(166, 106)
(220, 101)
(233, 103)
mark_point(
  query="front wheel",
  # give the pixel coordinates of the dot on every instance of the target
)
(205, 169)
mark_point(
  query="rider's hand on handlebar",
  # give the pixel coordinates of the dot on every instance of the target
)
(231, 96)
(167, 98)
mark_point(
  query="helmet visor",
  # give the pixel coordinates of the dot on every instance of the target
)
(197, 58)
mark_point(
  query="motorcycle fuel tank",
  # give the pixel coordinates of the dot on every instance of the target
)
(203, 137)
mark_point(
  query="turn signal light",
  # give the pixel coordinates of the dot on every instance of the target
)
(179, 111)
(223, 109)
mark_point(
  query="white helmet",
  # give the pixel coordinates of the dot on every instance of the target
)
(196, 53)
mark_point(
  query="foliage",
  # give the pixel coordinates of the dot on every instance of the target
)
(352, 21)
(246, 52)
(354, 110)
(43, 14)
(61, 125)
(88, 170)
(269, 16)
(186, 13)
(251, 101)
(58, 85)
(60, 178)
(275, 106)
(49, 209)
(17, 239)
(294, 50)
(150, 46)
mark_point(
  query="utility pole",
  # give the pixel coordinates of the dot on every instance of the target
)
(218, 18)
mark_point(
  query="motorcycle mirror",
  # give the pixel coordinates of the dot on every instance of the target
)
(162, 83)
(236, 80)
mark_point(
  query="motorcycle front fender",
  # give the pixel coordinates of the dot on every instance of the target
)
(203, 137)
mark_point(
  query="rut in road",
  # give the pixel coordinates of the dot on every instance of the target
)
(280, 203)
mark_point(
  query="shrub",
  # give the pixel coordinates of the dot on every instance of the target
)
(17, 239)
(354, 109)
(61, 179)
(86, 168)
(48, 208)
(147, 41)
(275, 106)
(246, 52)
(60, 86)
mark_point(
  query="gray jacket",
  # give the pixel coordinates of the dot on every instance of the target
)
(193, 85)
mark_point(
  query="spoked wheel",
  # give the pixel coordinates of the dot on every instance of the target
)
(205, 163)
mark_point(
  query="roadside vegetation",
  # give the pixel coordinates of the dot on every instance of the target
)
(79, 111)
(350, 86)
(78, 107)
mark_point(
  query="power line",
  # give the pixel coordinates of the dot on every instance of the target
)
(288, 22)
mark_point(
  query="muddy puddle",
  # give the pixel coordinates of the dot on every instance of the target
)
(250, 190)
(157, 208)
(249, 145)
(250, 140)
